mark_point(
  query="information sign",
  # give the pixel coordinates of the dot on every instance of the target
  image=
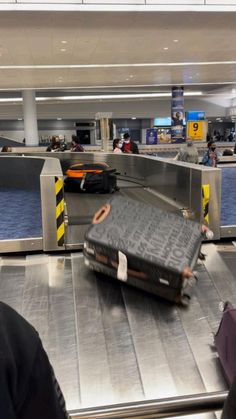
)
(195, 130)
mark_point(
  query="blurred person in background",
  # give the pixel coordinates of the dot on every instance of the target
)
(117, 145)
(188, 152)
(55, 144)
(6, 149)
(129, 146)
(211, 157)
(75, 144)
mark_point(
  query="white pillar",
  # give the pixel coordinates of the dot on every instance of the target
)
(30, 118)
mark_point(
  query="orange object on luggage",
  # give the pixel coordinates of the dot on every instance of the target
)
(80, 170)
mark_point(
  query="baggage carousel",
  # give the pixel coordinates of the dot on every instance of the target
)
(110, 343)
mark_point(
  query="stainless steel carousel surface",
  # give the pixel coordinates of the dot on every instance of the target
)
(110, 343)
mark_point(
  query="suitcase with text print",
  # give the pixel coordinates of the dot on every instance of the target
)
(145, 247)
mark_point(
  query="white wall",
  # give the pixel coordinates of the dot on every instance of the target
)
(19, 135)
(66, 133)
(13, 135)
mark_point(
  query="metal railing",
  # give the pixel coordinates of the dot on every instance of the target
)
(163, 408)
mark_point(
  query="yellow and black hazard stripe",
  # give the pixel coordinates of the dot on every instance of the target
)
(60, 207)
(205, 201)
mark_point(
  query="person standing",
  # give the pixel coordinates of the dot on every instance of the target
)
(211, 156)
(188, 152)
(55, 144)
(75, 144)
(117, 145)
(129, 146)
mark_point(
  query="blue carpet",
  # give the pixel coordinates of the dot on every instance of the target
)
(228, 197)
(20, 214)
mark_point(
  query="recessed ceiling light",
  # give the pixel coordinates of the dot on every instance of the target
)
(63, 49)
(64, 42)
(176, 40)
(131, 76)
(127, 79)
(59, 119)
(133, 117)
(165, 48)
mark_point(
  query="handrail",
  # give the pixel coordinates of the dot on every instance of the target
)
(154, 409)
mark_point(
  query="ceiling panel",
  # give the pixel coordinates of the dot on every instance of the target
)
(66, 38)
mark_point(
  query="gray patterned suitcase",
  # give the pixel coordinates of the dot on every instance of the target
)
(145, 247)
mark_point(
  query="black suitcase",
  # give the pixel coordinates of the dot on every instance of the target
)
(144, 247)
(91, 178)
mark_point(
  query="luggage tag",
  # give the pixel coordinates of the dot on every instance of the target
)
(82, 183)
(122, 271)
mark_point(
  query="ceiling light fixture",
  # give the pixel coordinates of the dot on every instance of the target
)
(133, 117)
(59, 119)
(101, 97)
(63, 49)
(170, 64)
(176, 40)
(165, 48)
(64, 42)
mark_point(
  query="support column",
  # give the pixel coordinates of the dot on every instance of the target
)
(30, 118)
(177, 114)
(104, 118)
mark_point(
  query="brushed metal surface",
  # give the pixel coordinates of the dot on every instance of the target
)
(180, 183)
(163, 408)
(21, 245)
(110, 343)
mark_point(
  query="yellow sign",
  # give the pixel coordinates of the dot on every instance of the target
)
(195, 130)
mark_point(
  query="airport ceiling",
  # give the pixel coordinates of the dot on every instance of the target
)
(118, 52)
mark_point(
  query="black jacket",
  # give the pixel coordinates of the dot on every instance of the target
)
(28, 388)
(134, 147)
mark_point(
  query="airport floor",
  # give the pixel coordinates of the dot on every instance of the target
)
(110, 343)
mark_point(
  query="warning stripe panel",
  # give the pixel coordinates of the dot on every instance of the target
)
(205, 201)
(60, 208)
(61, 232)
(59, 212)
(58, 185)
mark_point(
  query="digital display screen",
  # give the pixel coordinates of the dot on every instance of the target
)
(195, 116)
(163, 122)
